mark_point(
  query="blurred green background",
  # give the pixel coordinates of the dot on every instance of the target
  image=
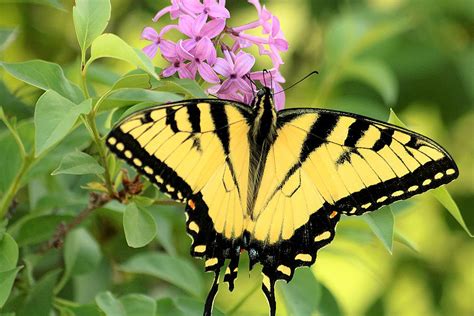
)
(416, 57)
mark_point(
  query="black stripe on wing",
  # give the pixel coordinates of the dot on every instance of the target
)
(428, 175)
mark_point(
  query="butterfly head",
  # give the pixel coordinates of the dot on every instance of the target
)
(263, 100)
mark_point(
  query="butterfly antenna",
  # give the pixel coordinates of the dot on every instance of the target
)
(299, 81)
(264, 78)
(252, 82)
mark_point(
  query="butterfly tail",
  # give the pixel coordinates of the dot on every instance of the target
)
(212, 295)
(268, 287)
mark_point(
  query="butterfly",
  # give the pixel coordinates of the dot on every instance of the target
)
(271, 183)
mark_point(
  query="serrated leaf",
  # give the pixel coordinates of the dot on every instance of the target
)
(7, 36)
(54, 118)
(90, 19)
(174, 270)
(46, 76)
(8, 252)
(377, 75)
(40, 298)
(7, 278)
(441, 193)
(138, 305)
(139, 226)
(112, 46)
(78, 163)
(110, 305)
(382, 224)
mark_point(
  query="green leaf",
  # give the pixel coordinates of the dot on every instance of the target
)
(7, 278)
(51, 3)
(46, 76)
(328, 304)
(139, 226)
(377, 75)
(141, 81)
(81, 252)
(302, 294)
(86, 310)
(176, 271)
(191, 307)
(7, 36)
(187, 87)
(81, 255)
(443, 196)
(399, 237)
(143, 95)
(90, 19)
(441, 193)
(350, 35)
(78, 163)
(382, 224)
(39, 229)
(8, 253)
(110, 305)
(138, 305)
(112, 46)
(393, 119)
(54, 118)
(40, 298)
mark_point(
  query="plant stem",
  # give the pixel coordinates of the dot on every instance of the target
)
(92, 126)
(15, 186)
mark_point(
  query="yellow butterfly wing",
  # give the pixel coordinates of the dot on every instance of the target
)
(326, 163)
(197, 152)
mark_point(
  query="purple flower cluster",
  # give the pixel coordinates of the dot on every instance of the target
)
(205, 26)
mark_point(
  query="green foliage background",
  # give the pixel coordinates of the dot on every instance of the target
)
(414, 258)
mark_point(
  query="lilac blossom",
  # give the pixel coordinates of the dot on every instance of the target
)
(156, 38)
(210, 7)
(197, 28)
(205, 34)
(204, 51)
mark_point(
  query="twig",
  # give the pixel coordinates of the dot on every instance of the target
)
(96, 200)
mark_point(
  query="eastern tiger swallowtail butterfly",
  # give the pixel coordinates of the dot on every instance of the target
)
(273, 183)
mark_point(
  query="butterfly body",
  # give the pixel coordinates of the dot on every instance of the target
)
(273, 183)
